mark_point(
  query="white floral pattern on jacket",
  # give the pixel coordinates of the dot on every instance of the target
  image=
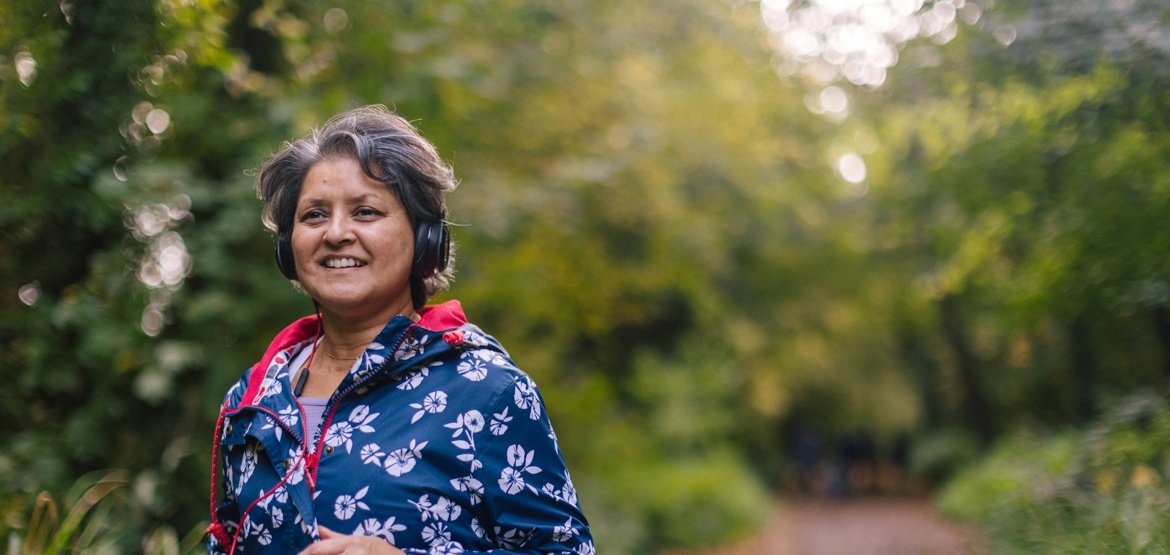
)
(435, 442)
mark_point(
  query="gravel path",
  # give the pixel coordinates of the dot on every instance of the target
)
(866, 526)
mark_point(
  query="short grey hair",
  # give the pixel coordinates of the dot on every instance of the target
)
(390, 150)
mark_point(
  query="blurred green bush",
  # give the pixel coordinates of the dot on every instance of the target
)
(939, 454)
(97, 518)
(1101, 489)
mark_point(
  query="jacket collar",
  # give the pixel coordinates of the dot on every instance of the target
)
(395, 343)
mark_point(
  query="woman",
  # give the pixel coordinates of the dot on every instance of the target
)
(380, 425)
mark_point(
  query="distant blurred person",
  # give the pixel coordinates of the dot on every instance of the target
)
(381, 425)
(856, 471)
(806, 452)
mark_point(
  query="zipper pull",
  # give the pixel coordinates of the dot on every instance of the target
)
(311, 469)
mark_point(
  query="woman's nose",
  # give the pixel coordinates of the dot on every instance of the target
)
(340, 231)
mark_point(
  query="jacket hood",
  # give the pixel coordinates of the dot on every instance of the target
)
(401, 345)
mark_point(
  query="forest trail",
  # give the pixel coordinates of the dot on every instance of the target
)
(857, 526)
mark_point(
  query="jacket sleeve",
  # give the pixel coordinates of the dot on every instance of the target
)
(226, 513)
(529, 503)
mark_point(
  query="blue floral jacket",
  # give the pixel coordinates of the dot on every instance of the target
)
(434, 442)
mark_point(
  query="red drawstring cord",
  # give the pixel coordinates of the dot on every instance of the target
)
(307, 459)
(216, 528)
(244, 516)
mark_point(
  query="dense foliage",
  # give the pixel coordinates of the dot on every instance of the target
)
(1024, 190)
(648, 219)
(1097, 490)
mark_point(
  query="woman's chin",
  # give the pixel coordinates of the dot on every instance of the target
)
(358, 303)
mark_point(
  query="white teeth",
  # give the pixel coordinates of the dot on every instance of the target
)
(343, 263)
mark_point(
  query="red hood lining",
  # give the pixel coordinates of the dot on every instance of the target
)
(432, 318)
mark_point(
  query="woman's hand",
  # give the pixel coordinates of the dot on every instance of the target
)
(333, 543)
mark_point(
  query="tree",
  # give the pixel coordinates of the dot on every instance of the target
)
(631, 184)
(1033, 178)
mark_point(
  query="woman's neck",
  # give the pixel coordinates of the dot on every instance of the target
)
(346, 337)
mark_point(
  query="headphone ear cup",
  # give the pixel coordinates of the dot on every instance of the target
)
(284, 258)
(432, 248)
(443, 248)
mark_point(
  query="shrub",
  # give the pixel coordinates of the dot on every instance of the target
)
(96, 522)
(940, 454)
(1097, 490)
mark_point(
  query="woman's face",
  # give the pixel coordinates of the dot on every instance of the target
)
(353, 242)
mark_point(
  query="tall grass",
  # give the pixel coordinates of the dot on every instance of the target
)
(1102, 489)
(99, 521)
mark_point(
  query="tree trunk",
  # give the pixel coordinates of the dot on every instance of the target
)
(1083, 351)
(925, 372)
(1162, 330)
(975, 398)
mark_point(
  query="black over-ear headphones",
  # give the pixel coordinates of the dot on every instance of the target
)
(432, 249)
(284, 256)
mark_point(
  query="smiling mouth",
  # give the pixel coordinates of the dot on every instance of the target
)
(344, 263)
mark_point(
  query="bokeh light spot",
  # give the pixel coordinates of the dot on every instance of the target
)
(1005, 35)
(29, 293)
(158, 120)
(851, 167)
(834, 100)
(26, 67)
(336, 20)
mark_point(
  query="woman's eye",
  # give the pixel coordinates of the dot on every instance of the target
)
(366, 212)
(312, 215)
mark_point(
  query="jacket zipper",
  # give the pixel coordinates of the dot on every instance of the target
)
(331, 408)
